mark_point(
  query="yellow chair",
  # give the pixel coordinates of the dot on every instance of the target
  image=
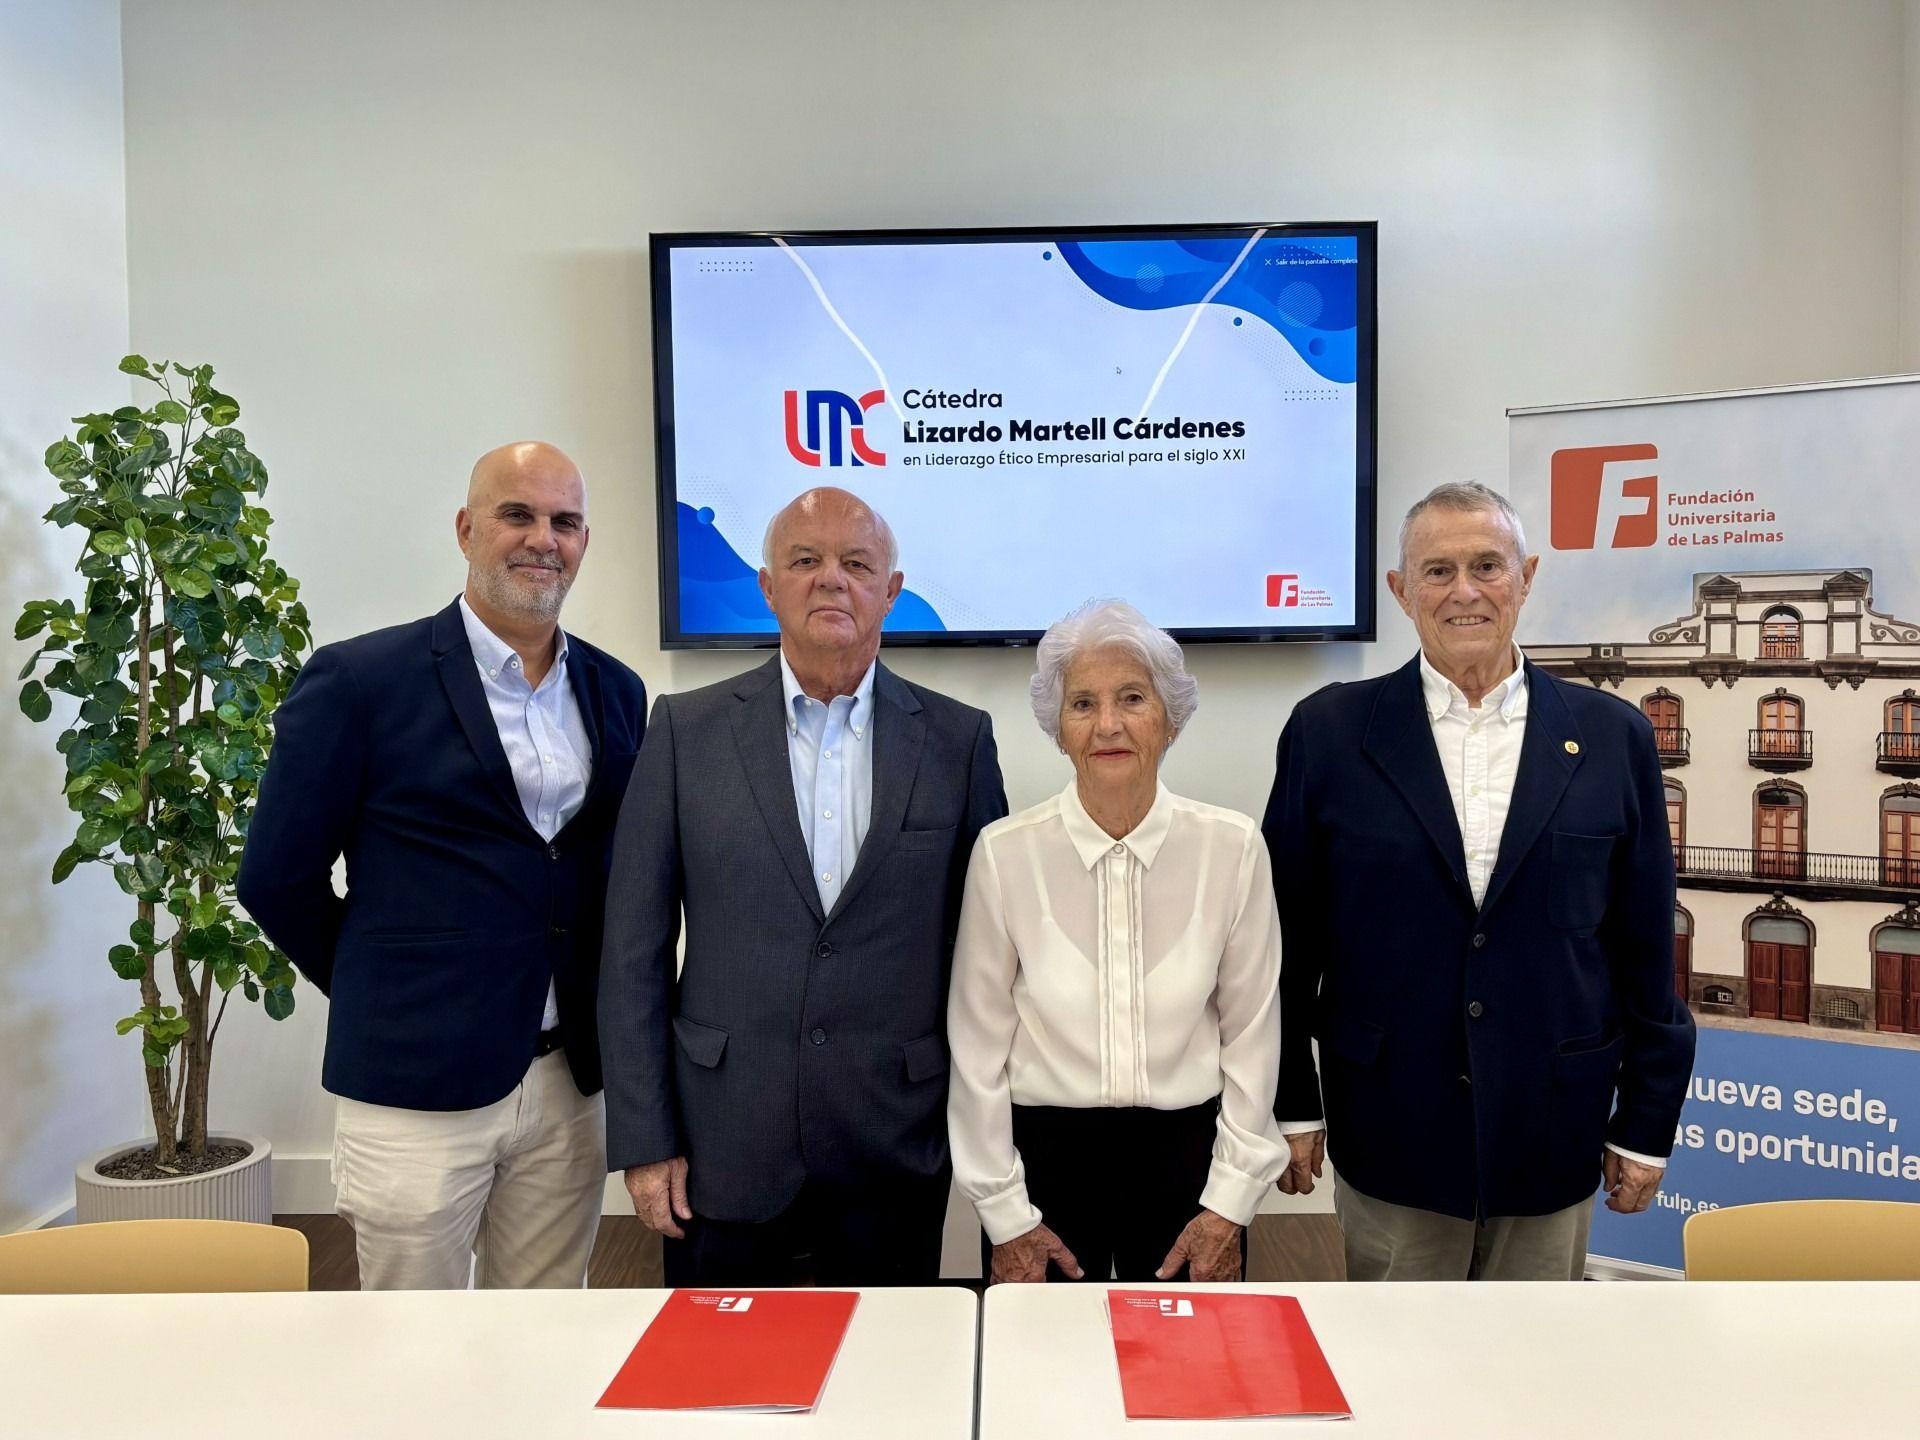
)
(1805, 1240)
(152, 1257)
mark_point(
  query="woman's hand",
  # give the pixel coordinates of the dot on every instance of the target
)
(1209, 1247)
(1023, 1259)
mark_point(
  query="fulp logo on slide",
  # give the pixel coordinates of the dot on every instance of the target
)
(734, 1304)
(1604, 481)
(844, 420)
(1283, 590)
(1177, 1308)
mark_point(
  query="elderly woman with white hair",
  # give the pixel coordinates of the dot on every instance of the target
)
(1114, 1013)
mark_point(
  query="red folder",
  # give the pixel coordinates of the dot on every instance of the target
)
(743, 1350)
(1197, 1355)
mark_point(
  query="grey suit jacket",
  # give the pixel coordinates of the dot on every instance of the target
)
(793, 1043)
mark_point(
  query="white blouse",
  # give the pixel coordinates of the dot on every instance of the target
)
(1091, 971)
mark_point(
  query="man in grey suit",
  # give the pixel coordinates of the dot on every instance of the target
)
(779, 1107)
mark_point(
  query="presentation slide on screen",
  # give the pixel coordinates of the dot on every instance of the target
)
(1170, 421)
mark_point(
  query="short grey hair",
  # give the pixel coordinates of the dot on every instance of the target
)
(879, 523)
(1464, 495)
(1100, 624)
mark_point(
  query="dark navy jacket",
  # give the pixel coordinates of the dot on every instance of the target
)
(794, 1044)
(1475, 1060)
(456, 913)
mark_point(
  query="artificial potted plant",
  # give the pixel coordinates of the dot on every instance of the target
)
(186, 639)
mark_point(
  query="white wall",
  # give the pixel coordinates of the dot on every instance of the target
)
(67, 1083)
(408, 232)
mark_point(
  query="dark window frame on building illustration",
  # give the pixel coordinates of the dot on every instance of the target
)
(1895, 943)
(1780, 630)
(1779, 962)
(1900, 836)
(1682, 952)
(1900, 727)
(1780, 831)
(1666, 712)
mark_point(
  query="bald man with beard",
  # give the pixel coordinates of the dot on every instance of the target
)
(469, 766)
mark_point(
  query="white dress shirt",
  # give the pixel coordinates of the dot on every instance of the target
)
(544, 735)
(1479, 749)
(1091, 971)
(830, 748)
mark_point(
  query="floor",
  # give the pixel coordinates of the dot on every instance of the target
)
(1281, 1247)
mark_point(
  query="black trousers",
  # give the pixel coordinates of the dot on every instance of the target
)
(879, 1234)
(1116, 1185)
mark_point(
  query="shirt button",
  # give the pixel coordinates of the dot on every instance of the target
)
(818, 1036)
(826, 814)
(1478, 941)
(1119, 849)
(825, 879)
(1474, 791)
(826, 754)
(1476, 1009)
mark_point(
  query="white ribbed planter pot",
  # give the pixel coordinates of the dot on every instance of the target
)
(239, 1192)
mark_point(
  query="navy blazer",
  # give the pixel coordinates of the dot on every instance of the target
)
(794, 1043)
(1475, 1060)
(456, 913)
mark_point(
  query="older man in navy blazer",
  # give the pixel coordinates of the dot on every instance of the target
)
(1476, 892)
(779, 1107)
(469, 767)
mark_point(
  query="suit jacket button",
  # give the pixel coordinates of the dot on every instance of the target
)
(558, 931)
(553, 852)
(1466, 1080)
(1478, 941)
(819, 1036)
(1476, 1009)
(823, 950)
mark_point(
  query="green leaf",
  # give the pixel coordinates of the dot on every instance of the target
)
(31, 622)
(230, 713)
(171, 411)
(68, 858)
(110, 542)
(141, 933)
(35, 703)
(98, 832)
(192, 581)
(136, 365)
(128, 963)
(278, 1002)
(206, 910)
(152, 872)
(135, 527)
(220, 409)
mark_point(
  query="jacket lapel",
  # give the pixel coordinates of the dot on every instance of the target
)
(760, 733)
(1546, 765)
(584, 676)
(460, 678)
(896, 760)
(1399, 740)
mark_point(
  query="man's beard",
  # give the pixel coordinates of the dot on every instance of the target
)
(500, 590)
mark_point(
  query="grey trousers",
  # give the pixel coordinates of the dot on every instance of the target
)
(1394, 1242)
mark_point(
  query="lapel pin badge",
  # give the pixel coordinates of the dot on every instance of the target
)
(1573, 747)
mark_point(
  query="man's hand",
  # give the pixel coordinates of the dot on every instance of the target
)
(1630, 1185)
(1309, 1155)
(1209, 1247)
(659, 1193)
(1023, 1259)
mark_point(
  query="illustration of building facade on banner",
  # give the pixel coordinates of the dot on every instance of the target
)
(1787, 714)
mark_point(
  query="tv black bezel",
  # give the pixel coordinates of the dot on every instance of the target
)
(662, 244)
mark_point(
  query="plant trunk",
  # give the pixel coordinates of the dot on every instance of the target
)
(166, 1148)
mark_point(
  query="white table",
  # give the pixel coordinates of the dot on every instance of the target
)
(463, 1365)
(1624, 1361)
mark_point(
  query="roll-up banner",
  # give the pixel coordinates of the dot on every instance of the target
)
(1745, 569)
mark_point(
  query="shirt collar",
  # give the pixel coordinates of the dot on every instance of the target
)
(494, 655)
(1091, 843)
(857, 719)
(1509, 697)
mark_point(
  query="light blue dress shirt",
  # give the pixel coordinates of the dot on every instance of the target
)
(830, 748)
(544, 735)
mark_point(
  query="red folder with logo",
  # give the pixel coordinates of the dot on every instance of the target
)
(740, 1350)
(1201, 1355)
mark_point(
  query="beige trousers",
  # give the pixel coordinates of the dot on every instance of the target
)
(1393, 1242)
(509, 1194)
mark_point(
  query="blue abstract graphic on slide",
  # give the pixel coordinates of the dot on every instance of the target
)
(1172, 421)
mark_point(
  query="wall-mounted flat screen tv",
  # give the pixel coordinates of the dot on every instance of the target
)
(1180, 416)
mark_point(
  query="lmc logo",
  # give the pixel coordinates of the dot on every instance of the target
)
(1609, 480)
(844, 420)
